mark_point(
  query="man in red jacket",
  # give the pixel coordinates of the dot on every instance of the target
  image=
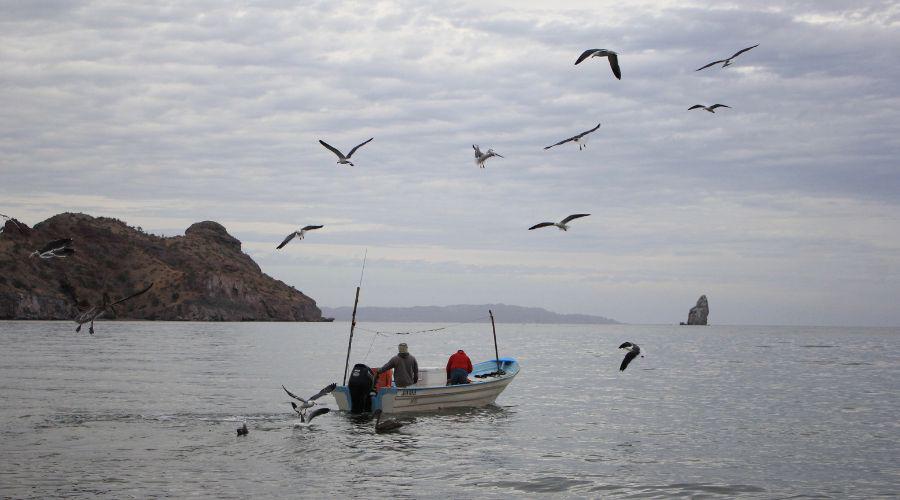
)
(459, 366)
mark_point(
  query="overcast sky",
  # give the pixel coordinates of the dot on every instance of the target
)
(784, 209)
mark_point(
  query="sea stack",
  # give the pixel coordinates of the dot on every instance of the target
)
(699, 312)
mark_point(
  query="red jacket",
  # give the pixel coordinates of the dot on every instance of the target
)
(459, 360)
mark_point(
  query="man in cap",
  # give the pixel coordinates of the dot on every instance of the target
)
(405, 366)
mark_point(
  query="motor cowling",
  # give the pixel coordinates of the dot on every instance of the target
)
(361, 385)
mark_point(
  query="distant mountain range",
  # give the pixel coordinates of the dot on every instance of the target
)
(463, 314)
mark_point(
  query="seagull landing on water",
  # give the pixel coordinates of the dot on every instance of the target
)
(563, 225)
(301, 233)
(612, 56)
(387, 425)
(92, 313)
(308, 403)
(727, 62)
(633, 352)
(344, 160)
(480, 157)
(577, 139)
(60, 248)
(708, 108)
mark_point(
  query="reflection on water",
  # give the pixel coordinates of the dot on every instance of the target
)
(150, 409)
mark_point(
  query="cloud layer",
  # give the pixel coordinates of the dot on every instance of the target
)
(783, 209)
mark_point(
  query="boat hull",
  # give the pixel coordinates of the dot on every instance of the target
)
(481, 392)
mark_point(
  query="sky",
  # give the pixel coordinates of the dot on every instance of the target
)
(784, 209)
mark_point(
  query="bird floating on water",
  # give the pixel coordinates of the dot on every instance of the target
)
(60, 248)
(344, 160)
(93, 313)
(301, 233)
(612, 56)
(243, 430)
(708, 108)
(309, 403)
(727, 62)
(563, 225)
(577, 139)
(633, 352)
(480, 157)
(387, 425)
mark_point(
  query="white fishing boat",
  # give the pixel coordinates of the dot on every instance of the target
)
(430, 393)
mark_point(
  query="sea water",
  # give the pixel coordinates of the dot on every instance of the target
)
(150, 409)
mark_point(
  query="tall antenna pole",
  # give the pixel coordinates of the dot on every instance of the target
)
(494, 328)
(353, 317)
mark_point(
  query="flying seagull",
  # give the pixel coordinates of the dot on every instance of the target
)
(301, 233)
(708, 108)
(60, 248)
(387, 425)
(563, 225)
(480, 157)
(243, 431)
(728, 60)
(344, 160)
(92, 313)
(613, 59)
(309, 402)
(14, 221)
(633, 352)
(577, 139)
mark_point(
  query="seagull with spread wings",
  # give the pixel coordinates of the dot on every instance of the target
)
(480, 157)
(344, 160)
(60, 248)
(708, 108)
(633, 352)
(93, 313)
(577, 139)
(727, 62)
(612, 56)
(563, 225)
(308, 403)
(301, 233)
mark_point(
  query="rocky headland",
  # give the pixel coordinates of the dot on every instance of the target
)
(201, 276)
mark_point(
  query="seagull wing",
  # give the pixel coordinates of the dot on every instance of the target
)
(310, 228)
(563, 141)
(573, 217)
(742, 51)
(56, 245)
(286, 240)
(291, 394)
(614, 64)
(714, 106)
(586, 132)
(710, 64)
(584, 55)
(696, 106)
(628, 357)
(542, 224)
(327, 389)
(333, 149)
(477, 150)
(315, 413)
(131, 296)
(625, 345)
(358, 146)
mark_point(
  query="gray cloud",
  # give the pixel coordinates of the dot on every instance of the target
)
(167, 113)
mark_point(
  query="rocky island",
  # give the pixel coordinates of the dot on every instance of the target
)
(201, 276)
(699, 313)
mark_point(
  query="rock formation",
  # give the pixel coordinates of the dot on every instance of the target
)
(201, 276)
(699, 312)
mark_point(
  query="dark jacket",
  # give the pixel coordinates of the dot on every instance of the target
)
(406, 369)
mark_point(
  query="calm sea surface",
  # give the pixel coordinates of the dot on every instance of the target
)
(145, 409)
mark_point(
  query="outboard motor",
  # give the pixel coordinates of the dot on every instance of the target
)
(361, 384)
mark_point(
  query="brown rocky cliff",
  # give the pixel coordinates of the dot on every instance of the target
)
(201, 276)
